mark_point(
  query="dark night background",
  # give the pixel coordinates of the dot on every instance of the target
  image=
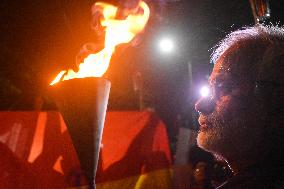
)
(40, 38)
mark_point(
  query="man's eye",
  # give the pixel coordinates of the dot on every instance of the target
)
(226, 87)
(223, 88)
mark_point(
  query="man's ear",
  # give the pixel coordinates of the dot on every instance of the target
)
(269, 94)
(269, 89)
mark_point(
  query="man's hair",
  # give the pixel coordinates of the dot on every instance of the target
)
(272, 36)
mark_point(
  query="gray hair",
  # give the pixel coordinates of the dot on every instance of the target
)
(273, 36)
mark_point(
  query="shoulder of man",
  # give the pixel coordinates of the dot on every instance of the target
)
(252, 185)
(271, 178)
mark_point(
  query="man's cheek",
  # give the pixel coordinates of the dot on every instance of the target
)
(230, 105)
(223, 105)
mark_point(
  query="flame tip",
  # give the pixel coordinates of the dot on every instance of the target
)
(117, 32)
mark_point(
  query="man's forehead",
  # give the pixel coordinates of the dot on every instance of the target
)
(221, 70)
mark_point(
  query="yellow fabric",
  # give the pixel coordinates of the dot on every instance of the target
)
(80, 187)
(152, 180)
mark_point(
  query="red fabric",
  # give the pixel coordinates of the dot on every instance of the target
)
(133, 143)
(37, 152)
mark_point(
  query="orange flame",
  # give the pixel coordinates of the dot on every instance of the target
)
(117, 32)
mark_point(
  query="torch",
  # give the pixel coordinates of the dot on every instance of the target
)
(260, 10)
(82, 96)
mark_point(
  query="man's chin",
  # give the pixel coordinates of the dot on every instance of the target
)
(207, 140)
(202, 140)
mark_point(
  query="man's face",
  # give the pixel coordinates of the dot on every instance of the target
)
(227, 124)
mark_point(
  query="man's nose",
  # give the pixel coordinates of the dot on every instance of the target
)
(205, 105)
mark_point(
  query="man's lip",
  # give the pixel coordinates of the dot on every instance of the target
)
(203, 127)
(202, 120)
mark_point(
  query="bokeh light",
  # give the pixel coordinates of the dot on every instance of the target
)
(204, 91)
(166, 45)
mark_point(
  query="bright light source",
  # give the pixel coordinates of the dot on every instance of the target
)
(204, 91)
(166, 45)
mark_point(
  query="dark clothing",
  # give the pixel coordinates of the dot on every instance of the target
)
(263, 175)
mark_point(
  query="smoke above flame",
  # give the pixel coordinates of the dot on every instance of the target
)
(116, 32)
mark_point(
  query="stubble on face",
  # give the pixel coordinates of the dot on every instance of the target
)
(216, 137)
(231, 130)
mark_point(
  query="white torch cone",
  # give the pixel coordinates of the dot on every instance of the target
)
(83, 103)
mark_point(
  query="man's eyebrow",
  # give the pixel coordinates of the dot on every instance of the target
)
(217, 79)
